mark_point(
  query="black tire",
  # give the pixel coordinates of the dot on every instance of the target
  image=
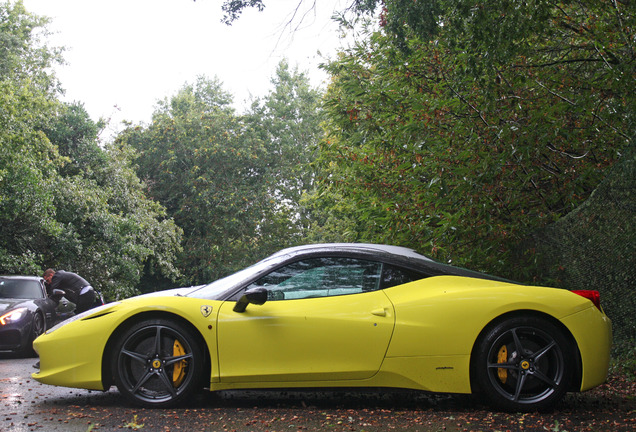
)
(38, 326)
(523, 364)
(157, 363)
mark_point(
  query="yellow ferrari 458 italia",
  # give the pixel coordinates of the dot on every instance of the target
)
(339, 315)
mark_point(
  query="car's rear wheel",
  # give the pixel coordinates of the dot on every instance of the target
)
(523, 364)
(157, 363)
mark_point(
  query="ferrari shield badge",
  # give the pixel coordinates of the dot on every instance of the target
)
(206, 310)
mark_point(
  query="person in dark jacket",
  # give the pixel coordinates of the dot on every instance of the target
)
(75, 287)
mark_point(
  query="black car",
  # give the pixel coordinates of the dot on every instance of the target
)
(25, 312)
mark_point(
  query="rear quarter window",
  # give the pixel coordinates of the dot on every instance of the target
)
(393, 276)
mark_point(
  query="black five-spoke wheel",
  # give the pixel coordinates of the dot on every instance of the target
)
(157, 363)
(524, 364)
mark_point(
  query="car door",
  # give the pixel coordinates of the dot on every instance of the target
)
(48, 306)
(324, 320)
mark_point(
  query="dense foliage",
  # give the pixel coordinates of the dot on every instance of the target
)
(593, 247)
(65, 201)
(289, 120)
(462, 128)
(231, 182)
(462, 136)
(27, 160)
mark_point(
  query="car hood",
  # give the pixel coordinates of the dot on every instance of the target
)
(8, 304)
(172, 292)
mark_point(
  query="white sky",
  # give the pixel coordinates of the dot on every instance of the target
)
(124, 55)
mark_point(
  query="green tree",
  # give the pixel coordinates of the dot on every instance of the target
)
(75, 135)
(288, 121)
(28, 161)
(200, 162)
(232, 182)
(66, 202)
(112, 233)
(233, 8)
(463, 146)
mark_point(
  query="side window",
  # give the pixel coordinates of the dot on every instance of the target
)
(394, 276)
(321, 277)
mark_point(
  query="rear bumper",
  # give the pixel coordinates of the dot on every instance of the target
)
(592, 331)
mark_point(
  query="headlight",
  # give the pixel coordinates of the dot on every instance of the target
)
(13, 316)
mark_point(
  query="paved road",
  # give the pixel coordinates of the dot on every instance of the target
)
(27, 405)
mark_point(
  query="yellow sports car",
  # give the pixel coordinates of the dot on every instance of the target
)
(339, 315)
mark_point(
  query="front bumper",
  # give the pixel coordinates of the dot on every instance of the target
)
(15, 337)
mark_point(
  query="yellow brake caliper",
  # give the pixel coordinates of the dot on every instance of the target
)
(502, 357)
(178, 373)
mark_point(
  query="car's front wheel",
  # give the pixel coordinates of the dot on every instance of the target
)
(157, 363)
(38, 326)
(523, 364)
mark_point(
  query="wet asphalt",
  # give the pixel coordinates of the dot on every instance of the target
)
(27, 405)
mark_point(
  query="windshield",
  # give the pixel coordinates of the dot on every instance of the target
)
(218, 289)
(20, 289)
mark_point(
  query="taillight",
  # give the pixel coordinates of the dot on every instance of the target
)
(591, 295)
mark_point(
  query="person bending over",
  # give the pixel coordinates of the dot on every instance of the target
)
(75, 287)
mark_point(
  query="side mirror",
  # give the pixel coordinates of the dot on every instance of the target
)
(57, 295)
(257, 296)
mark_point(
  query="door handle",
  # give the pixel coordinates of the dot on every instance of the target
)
(379, 312)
